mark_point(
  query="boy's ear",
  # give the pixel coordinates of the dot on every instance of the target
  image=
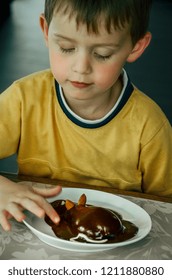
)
(140, 47)
(44, 27)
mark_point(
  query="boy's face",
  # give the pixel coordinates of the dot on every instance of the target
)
(85, 65)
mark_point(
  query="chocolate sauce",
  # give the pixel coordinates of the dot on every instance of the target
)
(96, 223)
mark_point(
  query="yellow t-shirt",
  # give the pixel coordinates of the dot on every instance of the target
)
(131, 150)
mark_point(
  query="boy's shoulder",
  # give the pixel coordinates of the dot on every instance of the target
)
(44, 75)
(145, 105)
(33, 86)
(145, 113)
(146, 116)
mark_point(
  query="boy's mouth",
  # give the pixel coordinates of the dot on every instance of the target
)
(79, 85)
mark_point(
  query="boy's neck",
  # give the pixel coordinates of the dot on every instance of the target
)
(97, 109)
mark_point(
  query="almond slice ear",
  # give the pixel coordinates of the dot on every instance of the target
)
(82, 200)
(69, 204)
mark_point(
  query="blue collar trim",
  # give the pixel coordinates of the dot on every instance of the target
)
(128, 91)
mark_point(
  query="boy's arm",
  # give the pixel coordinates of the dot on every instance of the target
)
(156, 163)
(14, 198)
(10, 121)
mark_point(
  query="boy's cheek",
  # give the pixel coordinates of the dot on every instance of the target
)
(59, 75)
(107, 76)
(59, 68)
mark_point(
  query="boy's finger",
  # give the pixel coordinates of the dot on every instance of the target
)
(39, 207)
(52, 214)
(47, 191)
(4, 222)
(15, 211)
(33, 207)
(7, 214)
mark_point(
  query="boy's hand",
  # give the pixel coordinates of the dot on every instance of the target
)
(14, 198)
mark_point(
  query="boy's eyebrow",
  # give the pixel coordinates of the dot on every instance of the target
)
(59, 36)
(74, 41)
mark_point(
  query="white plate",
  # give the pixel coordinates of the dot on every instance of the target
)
(129, 211)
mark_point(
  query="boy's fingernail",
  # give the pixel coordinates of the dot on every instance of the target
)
(7, 228)
(56, 220)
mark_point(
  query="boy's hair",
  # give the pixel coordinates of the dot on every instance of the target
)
(116, 14)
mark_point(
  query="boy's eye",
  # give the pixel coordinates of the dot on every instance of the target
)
(102, 57)
(97, 56)
(66, 50)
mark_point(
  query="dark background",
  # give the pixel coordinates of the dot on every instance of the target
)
(22, 51)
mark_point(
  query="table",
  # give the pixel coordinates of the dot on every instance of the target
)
(22, 244)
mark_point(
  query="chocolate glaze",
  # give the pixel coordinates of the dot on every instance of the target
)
(97, 223)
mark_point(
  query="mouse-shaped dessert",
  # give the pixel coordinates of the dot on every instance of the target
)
(87, 223)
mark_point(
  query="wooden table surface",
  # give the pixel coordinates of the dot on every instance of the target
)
(18, 178)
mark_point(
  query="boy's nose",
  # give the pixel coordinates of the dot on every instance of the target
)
(82, 64)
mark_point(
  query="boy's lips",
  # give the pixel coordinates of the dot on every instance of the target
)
(80, 85)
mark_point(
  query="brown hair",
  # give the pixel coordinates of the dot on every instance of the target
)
(116, 13)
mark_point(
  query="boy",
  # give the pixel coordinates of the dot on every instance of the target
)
(84, 121)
